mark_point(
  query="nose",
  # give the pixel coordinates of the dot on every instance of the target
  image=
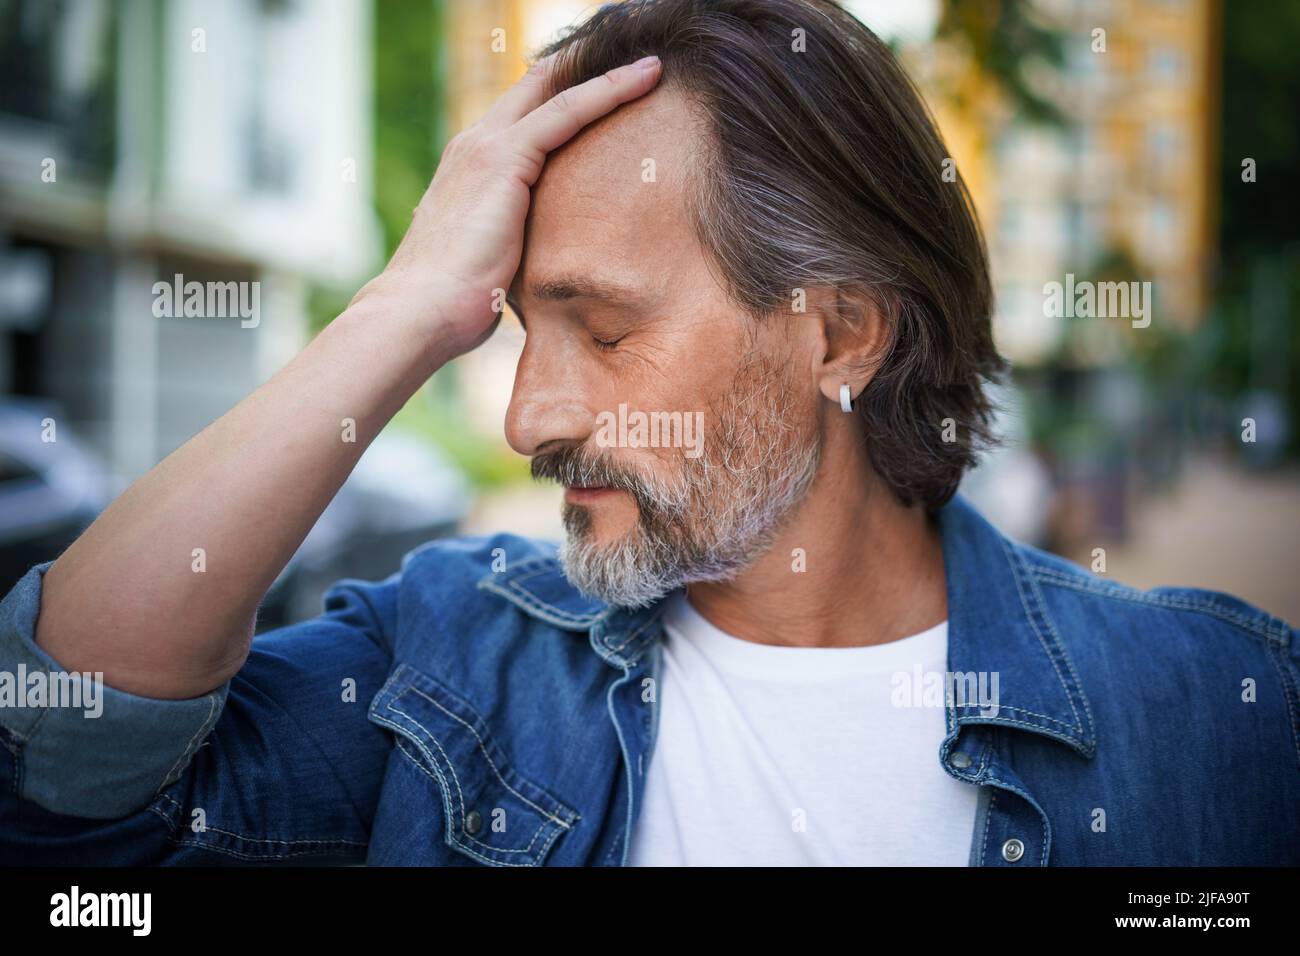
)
(548, 404)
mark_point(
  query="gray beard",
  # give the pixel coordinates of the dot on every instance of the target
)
(725, 511)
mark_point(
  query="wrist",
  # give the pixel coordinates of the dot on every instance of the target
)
(421, 334)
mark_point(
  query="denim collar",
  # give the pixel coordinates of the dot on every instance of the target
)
(540, 589)
(997, 623)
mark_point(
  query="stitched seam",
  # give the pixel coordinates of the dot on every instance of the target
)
(486, 755)
(1001, 721)
(20, 737)
(988, 815)
(1039, 634)
(985, 755)
(975, 779)
(631, 637)
(1020, 710)
(1042, 816)
(171, 829)
(497, 577)
(511, 590)
(1260, 628)
(1283, 667)
(440, 779)
(215, 848)
(460, 796)
(516, 584)
(452, 833)
(540, 563)
(545, 847)
(40, 718)
(461, 830)
(249, 839)
(547, 612)
(622, 743)
(464, 847)
(198, 735)
(1065, 654)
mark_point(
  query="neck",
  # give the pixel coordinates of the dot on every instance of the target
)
(872, 567)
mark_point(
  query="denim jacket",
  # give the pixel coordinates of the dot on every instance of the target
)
(474, 708)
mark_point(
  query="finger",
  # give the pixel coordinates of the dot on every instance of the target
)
(528, 93)
(557, 120)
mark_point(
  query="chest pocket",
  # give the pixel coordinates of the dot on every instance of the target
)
(493, 813)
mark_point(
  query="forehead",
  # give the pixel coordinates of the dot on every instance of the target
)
(611, 203)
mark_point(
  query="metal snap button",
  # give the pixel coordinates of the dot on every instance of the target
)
(473, 822)
(960, 760)
(1012, 850)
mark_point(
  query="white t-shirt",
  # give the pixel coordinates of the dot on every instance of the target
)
(785, 756)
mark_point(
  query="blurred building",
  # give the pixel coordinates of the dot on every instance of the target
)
(221, 141)
(1126, 189)
(1121, 185)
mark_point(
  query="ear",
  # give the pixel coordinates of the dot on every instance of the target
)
(856, 332)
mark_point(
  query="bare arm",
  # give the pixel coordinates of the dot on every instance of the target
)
(124, 598)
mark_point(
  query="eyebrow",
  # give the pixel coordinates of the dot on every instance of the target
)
(566, 288)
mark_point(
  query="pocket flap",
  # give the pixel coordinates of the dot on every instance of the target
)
(493, 814)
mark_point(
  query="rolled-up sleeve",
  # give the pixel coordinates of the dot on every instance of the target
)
(90, 750)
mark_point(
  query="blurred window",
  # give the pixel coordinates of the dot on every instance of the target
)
(56, 70)
(1166, 64)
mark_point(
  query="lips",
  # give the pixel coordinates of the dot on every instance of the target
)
(580, 494)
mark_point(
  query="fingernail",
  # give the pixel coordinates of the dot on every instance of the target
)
(646, 62)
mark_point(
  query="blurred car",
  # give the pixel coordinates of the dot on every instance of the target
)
(51, 486)
(402, 493)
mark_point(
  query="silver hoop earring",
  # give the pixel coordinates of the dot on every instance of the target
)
(846, 400)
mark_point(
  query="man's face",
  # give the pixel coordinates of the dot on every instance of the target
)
(620, 309)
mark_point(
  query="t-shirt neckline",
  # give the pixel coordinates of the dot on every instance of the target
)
(927, 649)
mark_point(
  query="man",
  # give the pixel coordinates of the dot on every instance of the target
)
(787, 643)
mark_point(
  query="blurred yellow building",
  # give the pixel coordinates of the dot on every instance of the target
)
(1131, 177)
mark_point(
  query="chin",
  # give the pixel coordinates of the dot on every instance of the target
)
(603, 525)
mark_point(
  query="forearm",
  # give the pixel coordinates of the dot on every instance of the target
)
(127, 599)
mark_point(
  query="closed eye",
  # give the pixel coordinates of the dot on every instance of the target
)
(605, 345)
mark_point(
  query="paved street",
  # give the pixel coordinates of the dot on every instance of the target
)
(1221, 528)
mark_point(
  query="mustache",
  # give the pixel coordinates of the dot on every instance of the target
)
(659, 507)
(574, 466)
(662, 506)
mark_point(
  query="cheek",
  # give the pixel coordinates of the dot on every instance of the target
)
(684, 371)
(687, 370)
